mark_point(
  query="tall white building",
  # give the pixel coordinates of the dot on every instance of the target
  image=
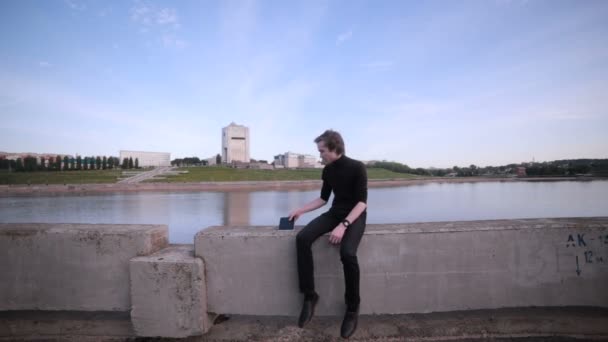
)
(146, 159)
(235, 143)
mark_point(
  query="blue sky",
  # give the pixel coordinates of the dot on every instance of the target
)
(432, 83)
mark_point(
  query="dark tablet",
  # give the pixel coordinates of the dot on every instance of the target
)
(285, 224)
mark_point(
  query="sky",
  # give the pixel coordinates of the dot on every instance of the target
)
(425, 83)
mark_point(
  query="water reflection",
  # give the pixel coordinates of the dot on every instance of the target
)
(237, 208)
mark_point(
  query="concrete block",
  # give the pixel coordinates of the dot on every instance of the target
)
(73, 267)
(168, 294)
(408, 268)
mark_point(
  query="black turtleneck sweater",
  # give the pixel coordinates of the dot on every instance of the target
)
(347, 178)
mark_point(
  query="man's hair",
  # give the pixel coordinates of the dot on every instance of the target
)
(333, 141)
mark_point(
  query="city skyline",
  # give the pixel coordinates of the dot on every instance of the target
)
(432, 84)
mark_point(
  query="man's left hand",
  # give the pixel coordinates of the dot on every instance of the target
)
(337, 234)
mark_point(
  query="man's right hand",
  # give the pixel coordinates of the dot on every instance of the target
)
(316, 204)
(294, 215)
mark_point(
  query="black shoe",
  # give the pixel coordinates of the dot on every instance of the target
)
(308, 310)
(349, 324)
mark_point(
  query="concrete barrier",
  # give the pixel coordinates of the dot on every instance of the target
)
(407, 268)
(168, 294)
(74, 267)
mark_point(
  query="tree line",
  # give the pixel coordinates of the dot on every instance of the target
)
(569, 167)
(58, 163)
(194, 161)
(188, 161)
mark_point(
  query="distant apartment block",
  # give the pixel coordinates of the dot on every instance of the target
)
(292, 160)
(235, 144)
(308, 161)
(147, 159)
(211, 160)
(287, 160)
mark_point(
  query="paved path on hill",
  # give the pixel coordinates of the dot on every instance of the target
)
(146, 175)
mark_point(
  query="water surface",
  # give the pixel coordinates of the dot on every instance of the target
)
(188, 212)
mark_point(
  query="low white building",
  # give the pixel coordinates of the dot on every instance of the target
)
(211, 161)
(307, 161)
(292, 160)
(147, 159)
(287, 160)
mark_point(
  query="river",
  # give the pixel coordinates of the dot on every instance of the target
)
(188, 212)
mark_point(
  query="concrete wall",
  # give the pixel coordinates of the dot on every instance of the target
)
(425, 267)
(78, 267)
(415, 267)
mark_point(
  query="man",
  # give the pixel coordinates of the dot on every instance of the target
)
(346, 218)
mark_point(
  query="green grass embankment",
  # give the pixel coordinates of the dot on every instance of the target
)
(194, 175)
(225, 174)
(377, 173)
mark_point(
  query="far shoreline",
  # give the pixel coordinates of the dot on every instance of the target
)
(24, 189)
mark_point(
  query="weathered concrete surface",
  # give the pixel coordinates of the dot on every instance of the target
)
(411, 268)
(78, 267)
(168, 293)
(38, 325)
(521, 324)
(527, 324)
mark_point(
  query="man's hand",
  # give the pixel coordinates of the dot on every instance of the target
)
(294, 215)
(337, 234)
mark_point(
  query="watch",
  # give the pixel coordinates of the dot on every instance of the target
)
(346, 223)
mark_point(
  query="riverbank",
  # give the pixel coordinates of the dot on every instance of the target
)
(255, 185)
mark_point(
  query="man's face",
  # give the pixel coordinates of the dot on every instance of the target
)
(327, 156)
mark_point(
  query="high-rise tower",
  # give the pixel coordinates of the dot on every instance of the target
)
(235, 143)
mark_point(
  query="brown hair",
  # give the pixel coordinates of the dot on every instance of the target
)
(333, 141)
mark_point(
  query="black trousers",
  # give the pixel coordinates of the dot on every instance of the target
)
(348, 254)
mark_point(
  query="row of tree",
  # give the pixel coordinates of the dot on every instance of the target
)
(401, 168)
(570, 167)
(189, 161)
(194, 161)
(30, 164)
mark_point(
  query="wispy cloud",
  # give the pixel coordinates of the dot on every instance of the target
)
(71, 105)
(104, 12)
(44, 64)
(167, 16)
(164, 21)
(141, 13)
(9, 100)
(170, 40)
(511, 2)
(377, 65)
(75, 5)
(344, 37)
(146, 14)
(237, 21)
